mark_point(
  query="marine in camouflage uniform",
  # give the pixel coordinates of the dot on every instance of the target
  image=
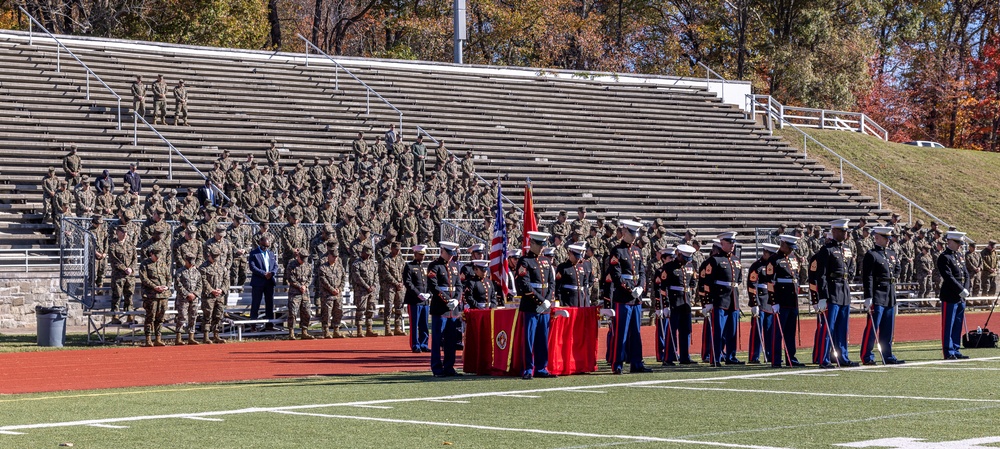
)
(99, 264)
(189, 245)
(154, 274)
(922, 269)
(160, 101)
(239, 237)
(391, 291)
(330, 280)
(122, 258)
(299, 275)
(187, 284)
(214, 292)
(364, 284)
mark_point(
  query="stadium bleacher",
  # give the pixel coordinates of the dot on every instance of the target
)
(677, 153)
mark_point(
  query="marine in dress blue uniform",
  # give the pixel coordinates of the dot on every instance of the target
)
(627, 283)
(955, 285)
(830, 292)
(532, 280)
(417, 299)
(573, 279)
(677, 277)
(479, 291)
(879, 270)
(762, 316)
(783, 292)
(658, 301)
(445, 286)
(718, 288)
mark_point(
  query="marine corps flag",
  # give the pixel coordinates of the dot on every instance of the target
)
(529, 220)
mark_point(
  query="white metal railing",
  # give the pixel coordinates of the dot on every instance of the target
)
(28, 259)
(806, 138)
(336, 82)
(709, 73)
(813, 118)
(171, 149)
(59, 47)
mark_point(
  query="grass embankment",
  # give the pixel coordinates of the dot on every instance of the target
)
(958, 186)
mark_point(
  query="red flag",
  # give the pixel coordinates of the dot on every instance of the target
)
(530, 223)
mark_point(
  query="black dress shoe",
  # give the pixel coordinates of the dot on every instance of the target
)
(453, 373)
(714, 364)
(753, 362)
(616, 371)
(775, 366)
(961, 357)
(416, 350)
(951, 357)
(827, 366)
(688, 362)
(735, 362)
(798, 364)
(545, 375)
(640, 369)
(439, 375)
(668, 364)
(527, 377)
(895, 362)
(869, 363)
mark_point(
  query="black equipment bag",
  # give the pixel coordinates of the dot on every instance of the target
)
(982, 338)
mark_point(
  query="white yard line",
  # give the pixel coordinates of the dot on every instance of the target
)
(378, 402)
(587, 391)
(837, 423)
(381, 407)
(200, 418)
(447, 401)
(529, 396)
(108, 426)
(535, 431)
(832, 395)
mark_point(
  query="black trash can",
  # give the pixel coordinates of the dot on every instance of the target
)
(51, 325)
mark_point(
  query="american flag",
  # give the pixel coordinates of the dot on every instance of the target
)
(499, 269)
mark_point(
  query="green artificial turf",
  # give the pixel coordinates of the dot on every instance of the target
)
(672, 407)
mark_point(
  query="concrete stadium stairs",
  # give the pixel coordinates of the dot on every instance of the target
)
(627, 149)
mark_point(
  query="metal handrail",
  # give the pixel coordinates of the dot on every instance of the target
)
(864, 124)
(478, 176)
(170, 153)
(881, 185)
(336, 80)
(31, 22)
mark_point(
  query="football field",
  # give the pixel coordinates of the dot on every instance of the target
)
(926, 403)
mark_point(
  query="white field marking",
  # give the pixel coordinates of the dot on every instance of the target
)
(587, 391)
(382, 407)
(837, 423)
(822, 374)
(962, 368)
(8, 432)
(200, 418)
(535, 431)
(873, 370)
(108, 426)
(706, 382)
(768, 374)
(832, 395)
(447, 401)
(529, 396)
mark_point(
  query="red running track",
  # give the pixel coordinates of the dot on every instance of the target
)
(135, 366)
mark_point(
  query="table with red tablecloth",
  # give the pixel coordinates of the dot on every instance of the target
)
(494, 341)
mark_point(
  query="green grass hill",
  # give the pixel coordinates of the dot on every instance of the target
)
(958, 186)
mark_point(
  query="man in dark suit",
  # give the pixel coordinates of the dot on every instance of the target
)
(264, 270)
(133, 179)
(208, 194)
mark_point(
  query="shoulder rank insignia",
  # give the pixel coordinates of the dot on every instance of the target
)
(770, 269)
(812, 266)
(613, 261)
(523, 271)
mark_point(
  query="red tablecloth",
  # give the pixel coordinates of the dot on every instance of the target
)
(490, 350)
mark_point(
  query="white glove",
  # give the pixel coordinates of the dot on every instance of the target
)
(424, 296)
(561, 313)
(659, 313)
(821, 307)
(547, 304)
(637, 292)
(707, 308)
(754, 311)
(610, 313)
(965, 293)
(666, 312)
(868, 303)
(452, 304)
(776, 308)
